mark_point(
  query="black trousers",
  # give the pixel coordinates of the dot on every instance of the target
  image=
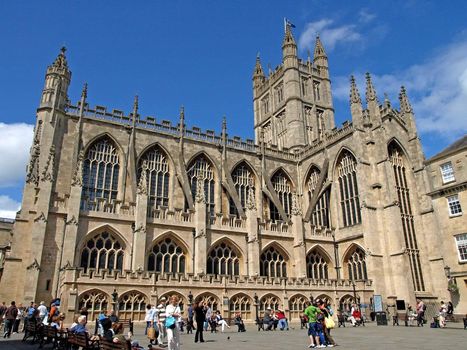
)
(199, 331)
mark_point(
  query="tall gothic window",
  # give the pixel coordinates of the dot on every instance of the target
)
(202, 170)
(350, 203)
(403, 194)
(356, 265)
(297, 304)
(157, 174)
(243, 180)
(283, 187)
(320, 215)
(103, 251)
(166, 257)
(316, 265)
(222, 260)
(100, 173)
(272, 263)
(271, 301)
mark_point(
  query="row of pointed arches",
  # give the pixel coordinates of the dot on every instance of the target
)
(132, 304)
(102, 167)
(105, 250)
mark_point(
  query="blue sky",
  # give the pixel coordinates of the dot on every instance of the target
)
(201, 54)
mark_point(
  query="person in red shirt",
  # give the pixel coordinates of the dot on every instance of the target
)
(282, 320)
(357, 315)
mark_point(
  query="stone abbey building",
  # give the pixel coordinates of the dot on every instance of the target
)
(119, 210)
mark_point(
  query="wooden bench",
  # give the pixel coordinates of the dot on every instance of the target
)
(109, 345)
(127, 324)
(32, 329)
(76, 340)
(52, 335)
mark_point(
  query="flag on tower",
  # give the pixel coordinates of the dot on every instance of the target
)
(288, 23)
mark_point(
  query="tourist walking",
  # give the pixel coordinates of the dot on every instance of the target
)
(161, 321)
(42, 310)
(315, 330)
(9, 319)
(443, 311)
(200, 317)
(173, 314)
(421, 307)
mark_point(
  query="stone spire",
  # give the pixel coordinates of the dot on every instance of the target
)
(258, 73)
(405, 105)
(182, 121)
(84, 92)
(57, 80)
(370, 92)
(356, 109)
(288, 37)
(320, 59)
(354, 94)
(135, 110)
(289, 49)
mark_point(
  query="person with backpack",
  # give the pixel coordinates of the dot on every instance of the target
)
(315, 330)
(10, 317)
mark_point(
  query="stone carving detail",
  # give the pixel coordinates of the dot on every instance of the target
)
(251, 201)
(78, 175)
(141, 229)
(143, 181)
(41, 218)
(35, 265)
(296, 210)
(32, 173)
(72, 221)
(48, 173)
(200, 197)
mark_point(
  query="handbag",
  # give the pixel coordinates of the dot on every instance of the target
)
(151, 333)
(329, 322)
(170, 322)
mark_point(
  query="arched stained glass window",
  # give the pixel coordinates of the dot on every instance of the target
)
(349, 198)
(100, 173)
(202, 170)
(222, 260)
(316, 265)
(243, 180)
(166, 257)
(283, 187)
(272, 263)
(103, 251)
(157, 174)
(356, 265)
(320, 215)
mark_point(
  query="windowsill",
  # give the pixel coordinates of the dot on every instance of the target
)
(455, 215)
(448, 182)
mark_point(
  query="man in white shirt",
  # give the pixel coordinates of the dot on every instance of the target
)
(42, 310)
(161, 321)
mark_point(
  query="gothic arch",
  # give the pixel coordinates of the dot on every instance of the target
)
(102, 228)
(269, 300)
(345, 303)
(172, 235)
(182, 301)
(242, 303)
(163, 150)
(98, 137)
(339, 155)
(167, 254)
(132, 305)
(309, 171)
(278, 247)
(398, 144)
(354, 263)
(319, 248)
(198, 154)
(228, 241)
(224, 258)
(325, 297)
(286, 173)
(248, 164)
(350, 249)
(211, 299)
(273, 261)
(297, 304)
(95, 300)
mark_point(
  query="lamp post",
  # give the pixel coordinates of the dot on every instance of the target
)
(311, 298)
(190, 298)
(255, 298)
(355, 295)
(114, 300)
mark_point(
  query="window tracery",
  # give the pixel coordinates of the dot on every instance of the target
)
(103, 251)
(222, 260)
(243, 180)
(283, 187)
(166, 256)
(356, 265)
(348, 188)
(272, 263)
(316, 266)
(202, 170)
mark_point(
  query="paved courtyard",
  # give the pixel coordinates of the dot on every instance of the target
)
(361, 338)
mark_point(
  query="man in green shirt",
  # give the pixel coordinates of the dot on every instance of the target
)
(315, 329)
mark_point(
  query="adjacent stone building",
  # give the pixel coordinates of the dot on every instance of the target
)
(119, 210)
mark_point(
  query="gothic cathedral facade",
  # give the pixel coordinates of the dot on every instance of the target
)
(120, 210)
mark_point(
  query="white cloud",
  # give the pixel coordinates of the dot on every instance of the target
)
(437, 89)
(365, 16)
(329, 33)
(8, 207)
(15, 141)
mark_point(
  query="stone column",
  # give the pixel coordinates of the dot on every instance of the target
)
(139, 234)
(299, 253)
(252, 239)
(200, 247)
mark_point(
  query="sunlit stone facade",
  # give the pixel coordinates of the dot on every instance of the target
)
(116, 201)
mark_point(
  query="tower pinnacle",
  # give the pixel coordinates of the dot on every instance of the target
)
(319, 51)
(405, 105)
(370, 93)
(354, 94)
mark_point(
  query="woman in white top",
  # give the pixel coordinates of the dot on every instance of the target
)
(173, 333)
